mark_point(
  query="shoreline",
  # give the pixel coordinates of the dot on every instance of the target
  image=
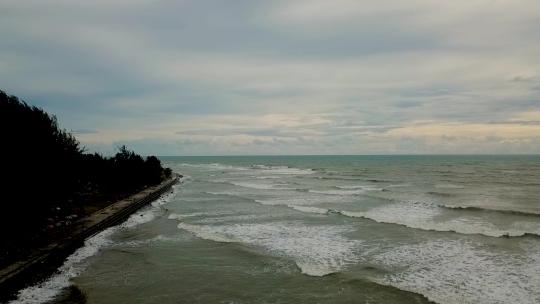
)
(45, 260)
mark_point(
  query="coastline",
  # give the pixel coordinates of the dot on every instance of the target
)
(45, 260)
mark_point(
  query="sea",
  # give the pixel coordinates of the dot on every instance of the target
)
(320, 229)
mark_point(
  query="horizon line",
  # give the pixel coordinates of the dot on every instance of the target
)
(419, 154)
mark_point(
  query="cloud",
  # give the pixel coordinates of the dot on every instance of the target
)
(248, 77)
(83, 131)
(499, 131)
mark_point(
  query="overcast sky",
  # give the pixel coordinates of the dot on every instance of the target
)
(280, 77)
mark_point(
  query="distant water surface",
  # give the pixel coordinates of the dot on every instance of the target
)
(322, 229)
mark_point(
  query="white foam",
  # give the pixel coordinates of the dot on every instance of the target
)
(363, 187)
(309, 209)
(425, 216)
(166, 197)
(206, 216)
(448, 186)
(164, 238)
(283, 170)
(339, 192)
(200, 198)
(317, 250)
(279, 170)
(299, 204)
(253, 185)
(144, 216)
(220, 218)
(75, 264)
(51, 287)
(228, 193)
(314, 270)
(350, 187)
(260, 185)
(306, 209)
(149, 213)
(204, 232)
(398, 185)
(174, 216)
(138, 243)
(458, 272)
(214, 166)
(302, 200)
(271, 202)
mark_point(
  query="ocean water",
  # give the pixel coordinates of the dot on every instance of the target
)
(321, 229)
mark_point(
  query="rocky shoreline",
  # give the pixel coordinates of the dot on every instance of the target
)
(44, 261)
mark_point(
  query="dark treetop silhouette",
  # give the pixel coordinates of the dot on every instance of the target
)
(48, 180)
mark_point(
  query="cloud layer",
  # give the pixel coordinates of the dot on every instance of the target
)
(281, 77)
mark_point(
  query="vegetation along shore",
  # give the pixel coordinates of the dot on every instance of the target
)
(52, 189)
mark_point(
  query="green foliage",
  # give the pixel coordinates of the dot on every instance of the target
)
(47, 175)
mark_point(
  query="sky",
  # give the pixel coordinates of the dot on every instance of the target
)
(209, 77)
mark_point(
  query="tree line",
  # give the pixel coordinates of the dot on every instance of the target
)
(48, 177)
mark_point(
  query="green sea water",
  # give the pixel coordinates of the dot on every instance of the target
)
(321, 229)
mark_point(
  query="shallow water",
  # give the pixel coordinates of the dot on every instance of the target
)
(322, 229)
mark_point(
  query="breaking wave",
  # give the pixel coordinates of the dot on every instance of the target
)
(75, 264)
(480, 209)
(316, 250)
